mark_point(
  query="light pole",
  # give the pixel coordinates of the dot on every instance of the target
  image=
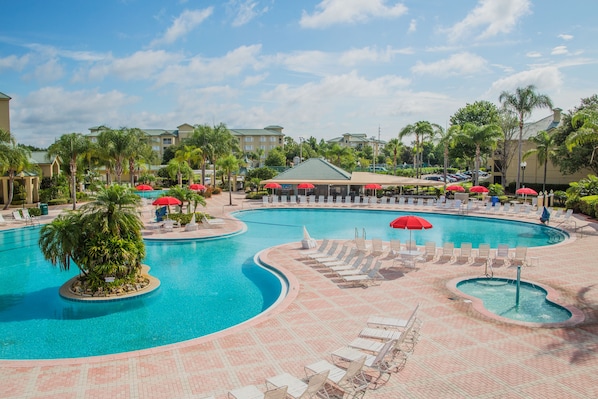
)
(523, 165)
(374, 147)
(301, 139)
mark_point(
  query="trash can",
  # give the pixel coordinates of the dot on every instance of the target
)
(494, 200)
(44, 208)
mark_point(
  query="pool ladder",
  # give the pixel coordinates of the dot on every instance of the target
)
(362, 233)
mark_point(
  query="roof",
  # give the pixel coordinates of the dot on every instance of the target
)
(319, 171)
(4, 96)
(545, 124)
(255, 132)
(41, 157)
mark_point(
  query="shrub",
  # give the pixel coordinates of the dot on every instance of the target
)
(58, 201)
(256, 195)
(216, 190)
(589, 205)
(35, 211)
(185, 218)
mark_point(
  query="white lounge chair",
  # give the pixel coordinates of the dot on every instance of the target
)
(377, 247)
(320, 249)
(327, 254)
(351, 380)
(364, 268)
(391, 322)
(447, 252)
(30, 219)
(299, 389)
(502, 254)
(2, 220)
(379, 362)
(212, 222)
(373, 277)
(430, 250)
(253, 392)
(18, 217)
(464, 252)
(519, 257)
(483, 253)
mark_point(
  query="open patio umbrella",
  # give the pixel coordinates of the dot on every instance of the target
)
(478, 189)
(144, 187)
(525, 191)
(410, 222)
(197, 187)
(455, 187)
(272, 185)
(305, 186)
(372, 186)
(166, 200)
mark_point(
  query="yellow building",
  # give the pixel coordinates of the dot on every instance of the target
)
(531, 171)
(4, 112)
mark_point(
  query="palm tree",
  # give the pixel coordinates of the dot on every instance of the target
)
(545, 148)
(336, 152)
(201, 138)
(446, 138)
(118, 146)
(230, 166)
(586, 123)
(188, 154)
(484, 136)
(523, 102)
(70, 147)
(223, 144)
(421, 130)
(103, 238)
(392, 148)
(138, 147)
(14, 160)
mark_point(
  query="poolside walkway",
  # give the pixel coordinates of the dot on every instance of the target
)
(461, 354)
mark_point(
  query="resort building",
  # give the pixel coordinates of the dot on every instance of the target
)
(358, 141)
(532, 172)
(4, 112)
(250, 140)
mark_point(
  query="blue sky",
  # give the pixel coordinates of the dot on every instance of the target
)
(316, 67)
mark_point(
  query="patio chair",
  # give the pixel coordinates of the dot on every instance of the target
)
(483, 253)
(464, 252)
(2, 221)
(312, 199)
(265, 200)
(360, 244)
(300, 389)
(160, 214)
(392, 322)
(395, 247)
(373, 277)
(329, 200)
(320, 249)
(401, 201)
(502, 254)
(293, 199)
(341, 261)
(351, 380)
(447, 252)
(275, 200)
(411, 201)
(212, 222)
(18, 217)
(327, 254)
(320, 199)
(519, 257)
(348, 265)
(253, 392)
(377, 362)
(302, 199)
(392, 201)
(363, 268)
(377, 247)
(334, 258)
(429, 250)
(28, 218)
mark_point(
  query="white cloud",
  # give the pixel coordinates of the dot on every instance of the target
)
(60, 111)
(244, 11)
(533, 54)
(493, 16)
(559, 50)
(457, 64)
(331, 12)
(254, 80)
(140, 65)
(13, 62)
(548, 78)
(49, 71)
(412, 26)
(565, 37)
(183, 24)
(199, 70)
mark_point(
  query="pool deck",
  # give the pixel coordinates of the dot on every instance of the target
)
(461, 354)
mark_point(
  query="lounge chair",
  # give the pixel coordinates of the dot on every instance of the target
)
(160, 214)
(392, 201)
(327, 254)
(28, 218)
(401, 201)
(303, 200)
(320, 249)
(483, 253)
(373, 277)
(356, 262)
(378, 362)
(360, 245)
(341, 261)
(519, 257)
(502, 254)
(299, 389)
(334, 258)
(391, 322)
(363, 269)
(377, 247)
(351, 380)
(18, 217)
(2, 221)
(447, 252)
(380, 333)
(212, 222)
(329, 200)
(395, 247)
(253, 392)
(464, 252)
(266, 200)
(167, 226)
(275, 200)
(430, 250)
(293, 199)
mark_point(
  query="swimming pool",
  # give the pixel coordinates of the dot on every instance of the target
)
(207, 285)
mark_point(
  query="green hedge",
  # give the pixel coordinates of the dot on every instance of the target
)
(58, 201)
(589, 205)
(185, 218)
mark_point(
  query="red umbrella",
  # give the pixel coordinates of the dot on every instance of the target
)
(410, 222)
(197, 187)
(144, 187)
(478, 189)
(272, 185)
(455, 187)
(372, 186)
(167, 201)
(526, 191)
(305, 186)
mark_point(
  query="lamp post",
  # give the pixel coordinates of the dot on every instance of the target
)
(301, 139)
(523, 165)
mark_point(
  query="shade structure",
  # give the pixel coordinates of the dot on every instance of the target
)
(272, 185)
(455, 187)
(372, 186)
(526, 191)
(410, 222)
(478, 189)
(197, 187)
(305, 185)
(167, 200)
(144, 187)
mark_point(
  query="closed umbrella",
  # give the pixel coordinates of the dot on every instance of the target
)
(410, 222)
(478, 189)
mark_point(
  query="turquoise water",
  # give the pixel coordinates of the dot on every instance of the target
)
(498, 296)
(151, 194)
(207, 285)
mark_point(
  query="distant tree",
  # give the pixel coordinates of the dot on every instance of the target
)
(479, 113)
(14, 159)
(507, 145)
(421, 130)
(544, 150)
(482, 137)
(276, 157)
(230, 166)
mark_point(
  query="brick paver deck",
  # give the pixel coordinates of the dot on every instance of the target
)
(461, 354)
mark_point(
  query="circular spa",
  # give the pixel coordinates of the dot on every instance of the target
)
(207, 285)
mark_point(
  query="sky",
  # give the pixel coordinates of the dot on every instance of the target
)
(317, 68)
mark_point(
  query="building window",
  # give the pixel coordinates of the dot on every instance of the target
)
(248, 148)
(167, 141)
(248, 139)
(156, 147)
(263, 147)
(262, 139)
(273, 139)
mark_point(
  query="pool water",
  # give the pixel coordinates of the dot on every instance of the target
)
(151, 194)
(207, 285)
(498, 296)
